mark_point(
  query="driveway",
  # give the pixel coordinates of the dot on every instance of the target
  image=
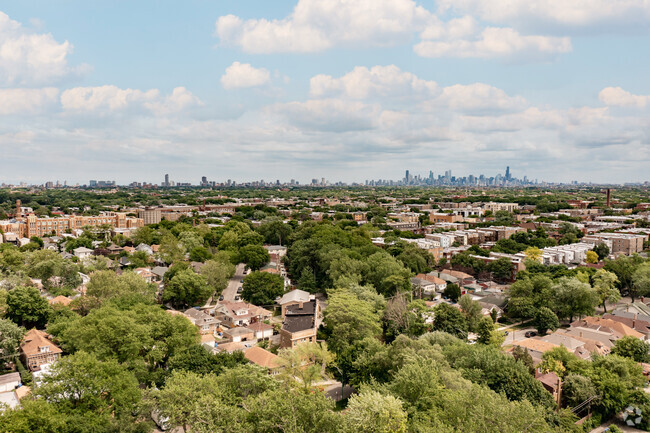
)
(230, 291)
(517, 335)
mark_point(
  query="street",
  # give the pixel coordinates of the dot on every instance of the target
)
(230, 291)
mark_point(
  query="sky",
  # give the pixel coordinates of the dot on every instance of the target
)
(342, 89)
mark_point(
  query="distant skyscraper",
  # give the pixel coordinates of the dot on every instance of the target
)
(508, 173)
(166, 180)
(407, 178)
(204, 180)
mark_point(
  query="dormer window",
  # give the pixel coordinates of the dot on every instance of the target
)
(43, 349)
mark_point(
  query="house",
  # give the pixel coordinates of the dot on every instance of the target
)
(144, 248)
(9, 382)
(422, 285)
(115, 249)
(264, 359)
(239, 334)
(462, 277)
(536, 347)
(278, 250)
(206, 323)
(159, 272)
(634, 321)
(606, 331)
(439, 283)
(10, 390)
(129, 250)
(300, 324)
(240, 313)
(263, 331)
(292, 298)
(82, 252)
(146, 274)
(553, 384)
(37, 349)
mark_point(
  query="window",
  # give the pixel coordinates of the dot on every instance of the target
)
(44, 349)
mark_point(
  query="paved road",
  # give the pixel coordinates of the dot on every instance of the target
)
(230, 292)
(515, 336)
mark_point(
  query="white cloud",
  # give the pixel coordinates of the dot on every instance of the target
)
(243, 75)
(107, 97)
(329, 115)
(28, 58)
(463, 37)
(566, 14)
(316, 25)
(617, 97)
(27, 101)
(381, 81)
(179, 100)
(478, 97)
(112, 99)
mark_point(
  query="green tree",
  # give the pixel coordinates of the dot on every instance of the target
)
(632, 347)
(171, 249)
(33, 416)
(387, 274)
(199, 359)
(348, 319)
(178, 399)
(546, 320)
(624, 267)
(640, 281)
(574, 298)
(471, 310)
(275, 232)
(577, 389)
(485, 329)
(306, 362)
(605, 285)
(105, 285)
(217, 273)
(372, 412)
(255, 256)
(452, 292)
(501, 269)
(26, 307)
(89, 384)
(10, 337)
(602, 250)
(186, 289)
(262, 288)
(449, 319)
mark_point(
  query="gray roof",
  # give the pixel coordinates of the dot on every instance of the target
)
(239, 331)
(8, 378)
(298, 323)
(296, 295)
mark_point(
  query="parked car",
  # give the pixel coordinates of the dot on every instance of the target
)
(530, 334)
(506, 333)
(237, 298)
(221, 298)
(239, 290)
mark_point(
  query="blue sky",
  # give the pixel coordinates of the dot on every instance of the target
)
(343, 89)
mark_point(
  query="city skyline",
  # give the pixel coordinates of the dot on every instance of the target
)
(350, 91)
(442, 180)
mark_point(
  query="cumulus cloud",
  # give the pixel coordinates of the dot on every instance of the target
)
(479, 97)
(464, 37)
(112, 99)
(27, 101)
(28, 58)
(381, 81)
(330, 115)
(617, 97)
(568, 15)
(243, 75)
(316, 25)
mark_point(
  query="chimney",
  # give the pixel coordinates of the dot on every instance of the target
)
(609, 195)
(300, 304)
(580, 334)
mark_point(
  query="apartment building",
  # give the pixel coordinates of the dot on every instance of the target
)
(495, 207)
(150, 215)
(619, 243)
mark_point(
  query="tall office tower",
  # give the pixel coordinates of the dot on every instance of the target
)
(166, 180)
(407, 178)
(204, 180)
(508, 173)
